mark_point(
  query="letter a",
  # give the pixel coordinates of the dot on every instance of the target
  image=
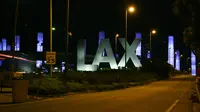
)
(105, 46)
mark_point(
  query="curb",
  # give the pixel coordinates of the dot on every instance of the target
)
(30, 102)
(197, 89)
(196, 105)
(93, 91)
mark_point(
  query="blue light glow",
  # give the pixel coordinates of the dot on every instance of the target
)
(17, 43)
(8, 48)
(1, 62)
(1, 47)
(139, 48)
(38, 63)
(63, 66)
(40, 42)
(101, 36)
(193, 64)
(117, 55)
(148, 55)
(177, 60)
(171, 50)
(4, 44)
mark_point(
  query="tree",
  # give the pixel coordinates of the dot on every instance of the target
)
(189, 12)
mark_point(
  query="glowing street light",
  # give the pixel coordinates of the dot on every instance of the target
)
(53, 28)
(116, 36)
(70, 33)
(130, 9)
(152, 32)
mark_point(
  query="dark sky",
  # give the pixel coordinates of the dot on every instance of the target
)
(87, 18)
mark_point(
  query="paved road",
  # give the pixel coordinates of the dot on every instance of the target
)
(162, 96)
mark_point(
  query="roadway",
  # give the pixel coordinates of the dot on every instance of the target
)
(162, 96)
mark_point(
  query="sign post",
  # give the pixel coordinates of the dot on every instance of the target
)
(51, 60)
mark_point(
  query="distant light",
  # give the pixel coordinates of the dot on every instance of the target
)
(131, 9)
(117, 35)
(40, 42)
(177, 60)
(193, 64)
(139, 48)
(149, 55)
(153, 31)
(56, 68)
(171, 50)
(70, 33)
(53, 28)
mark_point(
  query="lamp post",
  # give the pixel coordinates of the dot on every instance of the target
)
(152, 32)
(116, 36)
(15, 32)
(67, 38)
(131, 10)
(51, 29)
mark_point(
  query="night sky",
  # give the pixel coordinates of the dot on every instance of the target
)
(87, 18)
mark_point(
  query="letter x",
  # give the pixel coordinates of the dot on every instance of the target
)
(130, 52)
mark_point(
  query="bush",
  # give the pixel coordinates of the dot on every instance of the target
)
(161, 68)
(46, 87)
(120, 85)
(76, 87)
(106, 77)
(104, 87)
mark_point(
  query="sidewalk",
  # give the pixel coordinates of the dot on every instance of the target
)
(6, 96)
(196, 107)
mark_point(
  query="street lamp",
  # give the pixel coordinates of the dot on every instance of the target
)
(130, 9)
(152, 32)
(70, 34)
(53, 28)
(116, 36)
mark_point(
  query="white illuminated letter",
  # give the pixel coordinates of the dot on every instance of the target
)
(81, 66)
(105, 47)
(130, 53)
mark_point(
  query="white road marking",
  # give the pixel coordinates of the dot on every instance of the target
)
(172, 106)
(176, 102)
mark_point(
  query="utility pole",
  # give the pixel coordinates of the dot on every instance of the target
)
(15, 32)
(126, 16)
(67, 38)
(51, 36)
